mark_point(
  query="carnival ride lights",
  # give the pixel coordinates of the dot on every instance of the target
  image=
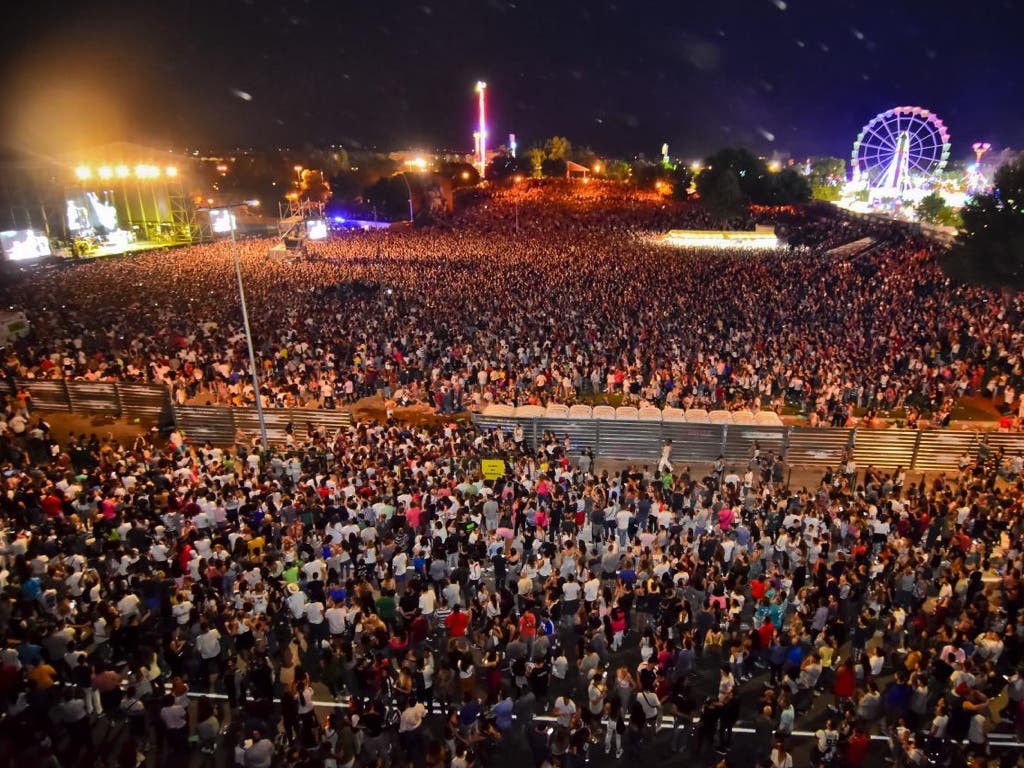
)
(900, 151)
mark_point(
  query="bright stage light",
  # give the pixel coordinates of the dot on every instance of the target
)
(106, 172)
(684, 238)
(122, 172)
(83, 172)
(171, 171)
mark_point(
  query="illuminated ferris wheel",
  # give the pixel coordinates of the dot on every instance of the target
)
(900, 150)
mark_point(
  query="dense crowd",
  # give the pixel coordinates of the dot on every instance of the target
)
(557, 610)
(367, 597)
(579, 299)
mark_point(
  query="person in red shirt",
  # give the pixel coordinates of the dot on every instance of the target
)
(757, 589)
(856, 748)
(528, 628)
(53, 504)
(766, 632)
(845, 682)
(457, 622)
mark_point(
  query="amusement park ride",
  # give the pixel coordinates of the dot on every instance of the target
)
(899, 157)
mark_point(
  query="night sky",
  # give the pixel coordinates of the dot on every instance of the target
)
(779, 76)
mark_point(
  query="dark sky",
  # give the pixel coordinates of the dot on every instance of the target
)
(786, 76)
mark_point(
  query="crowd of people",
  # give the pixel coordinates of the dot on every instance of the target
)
(540, 294)
(367, 597)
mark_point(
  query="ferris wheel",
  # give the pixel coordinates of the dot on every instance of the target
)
(900, 150)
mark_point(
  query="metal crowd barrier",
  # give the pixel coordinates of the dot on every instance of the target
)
(922, 450)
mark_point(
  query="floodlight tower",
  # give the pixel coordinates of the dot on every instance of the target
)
(481, 90)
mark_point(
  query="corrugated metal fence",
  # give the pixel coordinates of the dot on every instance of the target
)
(923, 450)
(220, 425)
(111, 398)
(151, 402)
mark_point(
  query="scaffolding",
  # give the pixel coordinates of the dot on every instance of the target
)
(186, 224)
(292, 218)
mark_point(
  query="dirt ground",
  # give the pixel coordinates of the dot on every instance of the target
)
(64, 424)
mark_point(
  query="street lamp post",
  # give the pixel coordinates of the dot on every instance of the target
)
(245, 322)
(408, 189)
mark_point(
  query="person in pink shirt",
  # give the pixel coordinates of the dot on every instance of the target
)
(725, 518)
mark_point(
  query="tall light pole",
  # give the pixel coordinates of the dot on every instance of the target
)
(245, 319)
(481, 89)
(409, 190)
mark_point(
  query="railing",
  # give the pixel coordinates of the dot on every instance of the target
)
(220, 425)
(922, 450)
(149, 402)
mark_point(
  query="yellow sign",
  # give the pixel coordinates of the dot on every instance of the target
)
(492, 469)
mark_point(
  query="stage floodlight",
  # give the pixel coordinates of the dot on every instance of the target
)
(106, 172)
(171, 171)
(122, 172)
(83, 172)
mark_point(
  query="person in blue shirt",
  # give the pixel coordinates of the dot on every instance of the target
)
(502, 713)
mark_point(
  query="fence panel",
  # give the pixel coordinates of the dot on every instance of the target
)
(277, 420)
(93, 397)
(693, 442)
(941, 451)
(143, 401)
(331, 421)
(1011, 442)
(582, 433)
(816, 446)
(885, 448)
(636, 440)
(49, 395)
(202, 423)
(739, 441)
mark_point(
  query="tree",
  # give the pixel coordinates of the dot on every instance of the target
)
(557, 148)
(554, 166)
(787, 187)
(720, 190)
(827, 172)
(537, 158)
(504, 166)
(828, 192)
(990, 247)
(750, 173)
(680, 177)
(933, 209)
(617, 170)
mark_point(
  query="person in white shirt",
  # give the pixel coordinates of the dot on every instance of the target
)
(296, 601)
(182, 610)
(128, 606)
(337, 618)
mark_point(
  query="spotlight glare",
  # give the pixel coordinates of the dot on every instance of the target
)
(83, 172)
